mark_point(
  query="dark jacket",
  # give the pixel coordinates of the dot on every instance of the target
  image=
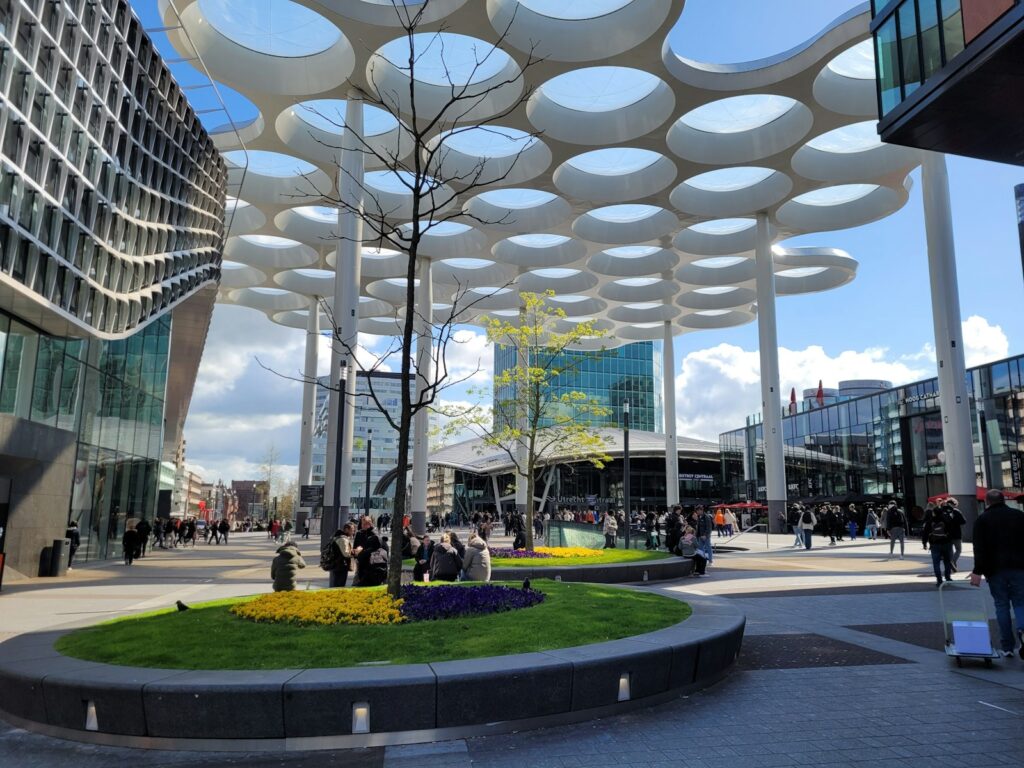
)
(285, 568)
(999, 540)
(130, 542)
(445, 563)
(423, 552)
(74, 537)
(368, 539)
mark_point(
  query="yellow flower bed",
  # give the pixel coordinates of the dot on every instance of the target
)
(325, 607)
(570, 551)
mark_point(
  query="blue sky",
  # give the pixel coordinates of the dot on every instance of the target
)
(879, 326)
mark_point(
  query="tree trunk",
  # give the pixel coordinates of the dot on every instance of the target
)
(530, 483)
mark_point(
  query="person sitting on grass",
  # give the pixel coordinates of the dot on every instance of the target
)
(445, 563)
(285, 568)
(477, 564)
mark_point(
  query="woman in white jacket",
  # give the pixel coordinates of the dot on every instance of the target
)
(476, 565)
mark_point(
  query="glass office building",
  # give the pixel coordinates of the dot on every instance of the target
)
(610, 378)
(112, 203)
(887, 444)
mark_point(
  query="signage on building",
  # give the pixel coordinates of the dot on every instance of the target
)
(1017, 469)
(311, 496)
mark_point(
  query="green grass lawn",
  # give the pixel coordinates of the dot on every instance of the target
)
(210, 637)
(605, 557)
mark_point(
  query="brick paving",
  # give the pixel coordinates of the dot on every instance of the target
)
(806, 611)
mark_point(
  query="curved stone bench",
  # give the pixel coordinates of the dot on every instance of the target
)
(664, 569)
(43, 691)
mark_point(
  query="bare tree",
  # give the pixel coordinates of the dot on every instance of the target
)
(432, 179)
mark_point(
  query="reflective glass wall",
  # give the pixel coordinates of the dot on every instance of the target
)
(111, 394)
(888, 443)
(610, 378)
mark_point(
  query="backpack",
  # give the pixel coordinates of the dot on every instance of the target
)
(330, 557)
(687, 549)
(379, 559)
(806, 518)
(939, 534)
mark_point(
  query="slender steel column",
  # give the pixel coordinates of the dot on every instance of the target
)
(771, 407)
(522, 452)
(424, 378)
(954, 399)
(669, 396)
(309, 386)
(341, 410)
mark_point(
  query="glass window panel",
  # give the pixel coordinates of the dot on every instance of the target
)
(952, 27)
(931, 43)
(911, 57)
(887, 56)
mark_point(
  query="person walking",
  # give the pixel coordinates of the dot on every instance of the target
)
(476, 566)
(956, 531)
(807, 522)
(896, 525)
(611, 530)
(871, 524)
(305, 528)
(793, 520)
(851, 521)
(831, 523)
(719, 522)
(285, 567)
(445, 563)
(130, 545)
(144, 529)
(999, 557)
(936, 536)
(730, 523)
(224, 527)
(75, 541)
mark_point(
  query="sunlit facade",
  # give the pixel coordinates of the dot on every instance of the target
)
(112, 203)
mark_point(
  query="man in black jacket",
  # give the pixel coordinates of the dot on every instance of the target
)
(999, 557)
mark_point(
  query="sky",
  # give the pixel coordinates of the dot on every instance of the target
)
(879, 326)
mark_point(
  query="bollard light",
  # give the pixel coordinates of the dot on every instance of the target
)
(92, 722)
(624, 686)
(361, 717)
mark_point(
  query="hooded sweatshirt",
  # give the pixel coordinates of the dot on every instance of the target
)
(477, 563)
(285, 568)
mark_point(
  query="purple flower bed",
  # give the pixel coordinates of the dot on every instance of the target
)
(447, 602)
(520, 554)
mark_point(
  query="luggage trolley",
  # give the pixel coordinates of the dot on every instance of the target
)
(965, 623)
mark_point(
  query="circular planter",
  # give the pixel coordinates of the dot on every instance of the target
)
(286, 710)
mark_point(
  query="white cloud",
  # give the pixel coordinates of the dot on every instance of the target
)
(983, 342)
(717, 388)
(469, 357)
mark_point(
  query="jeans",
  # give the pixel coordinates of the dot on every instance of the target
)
(941, 552)
(1007, 588)
(609, 541)
(339, 576)
(894, 534)
(853, 531)
(798, 533)
(807, 537)
(958, 547)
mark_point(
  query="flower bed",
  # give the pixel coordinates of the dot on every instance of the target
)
(543, 553)
(330, 607)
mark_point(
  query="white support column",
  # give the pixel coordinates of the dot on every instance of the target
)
(424, 378)
(954, 400)
(771, 404)
(346, 320)
(669, 396)
(309, 386)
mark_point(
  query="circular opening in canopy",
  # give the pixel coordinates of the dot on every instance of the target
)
(838, 195)
(329, 115)
(857, 62)
(614, 162)
(600, 89)
(274, 27)
(738, 113)
(729, 179)
(266, 163)
(857, 137)
(446, 58)
(723, 226)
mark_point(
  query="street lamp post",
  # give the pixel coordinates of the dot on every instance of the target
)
(335, 523)
(369, 457)
(625, 469)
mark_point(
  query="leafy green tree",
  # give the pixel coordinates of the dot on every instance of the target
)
(534, 415)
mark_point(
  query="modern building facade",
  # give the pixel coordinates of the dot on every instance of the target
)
(112, 200)
(370, 424)
(947, 70)
(887, 444)
(472, 476)
(609, 378)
